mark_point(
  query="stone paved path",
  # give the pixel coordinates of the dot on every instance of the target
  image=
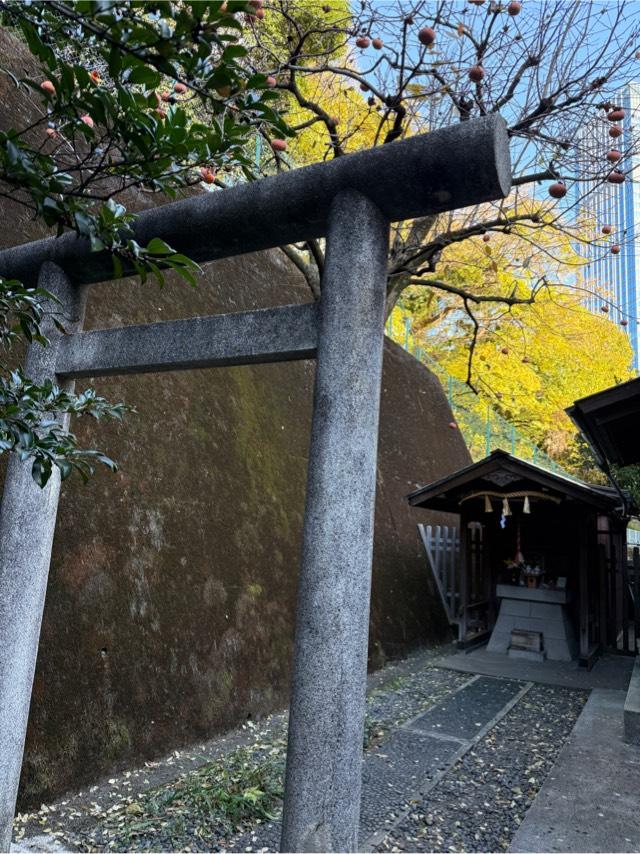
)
(403, 773)
(427, 745)
(453, 762)
(479, 803)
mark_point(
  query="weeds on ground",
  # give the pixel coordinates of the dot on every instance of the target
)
(208, 804)
(205, 807)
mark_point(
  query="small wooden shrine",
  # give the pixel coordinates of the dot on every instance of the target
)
(541, 568)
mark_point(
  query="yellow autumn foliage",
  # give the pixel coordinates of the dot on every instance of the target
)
(530, 362)
(359, 124)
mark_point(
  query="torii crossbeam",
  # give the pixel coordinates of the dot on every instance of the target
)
(350, 201)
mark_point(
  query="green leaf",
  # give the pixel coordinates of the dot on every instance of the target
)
(145, 76)
(156, 246)
(65, 468)
(41, 471)
(187, 275)
(233, 51)
(117, 267)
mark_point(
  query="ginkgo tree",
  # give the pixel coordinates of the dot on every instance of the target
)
(352, 76)
(152, 96)
(530, 360)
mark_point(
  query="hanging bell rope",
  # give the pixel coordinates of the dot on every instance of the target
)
(506, 510)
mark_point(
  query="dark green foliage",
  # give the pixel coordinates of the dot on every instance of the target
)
(28, 426)
(151, 96)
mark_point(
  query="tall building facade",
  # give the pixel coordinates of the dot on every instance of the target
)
(609, 277)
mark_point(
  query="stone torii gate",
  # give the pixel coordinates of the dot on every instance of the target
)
(351, 201)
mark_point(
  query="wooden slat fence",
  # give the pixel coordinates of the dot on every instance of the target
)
(620, 599)
(442, 545)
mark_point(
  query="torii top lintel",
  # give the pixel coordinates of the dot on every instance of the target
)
(465, 164)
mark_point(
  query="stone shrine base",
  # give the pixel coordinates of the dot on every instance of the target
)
(534, 610)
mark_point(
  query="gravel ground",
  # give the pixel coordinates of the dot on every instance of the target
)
(480, 802)
(391, 702)
(143, 809)
(226, 795)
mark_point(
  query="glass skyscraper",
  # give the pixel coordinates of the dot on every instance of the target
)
(616, 278)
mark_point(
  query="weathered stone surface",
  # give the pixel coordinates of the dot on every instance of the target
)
(268, 335)
(322, 797)
(548, 618)
(27, 523)
(412, 178)
(171, 599)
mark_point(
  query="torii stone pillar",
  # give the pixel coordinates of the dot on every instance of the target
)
(351, 201)
(27, 524)
(326, 720)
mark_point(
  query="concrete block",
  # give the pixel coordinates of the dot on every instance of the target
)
(517, 607)
(499, 641)
(533, 594)
(536, 624)
(555, 629)
(557, 650)
(544, 610)
(526, 654)
(559, 628)
(509, 622)
(529, 624)
(547, 617)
